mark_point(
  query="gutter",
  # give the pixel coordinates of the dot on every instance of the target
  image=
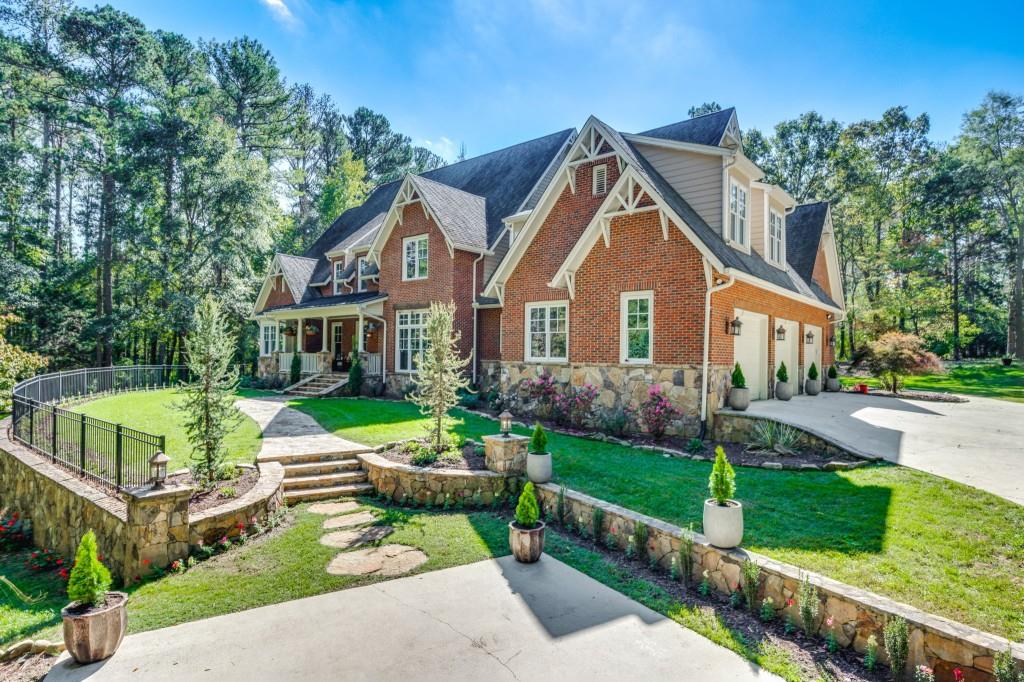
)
(711, 289)
(476, 313)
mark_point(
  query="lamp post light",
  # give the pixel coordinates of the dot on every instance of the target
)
(505, 419)
(158, 470)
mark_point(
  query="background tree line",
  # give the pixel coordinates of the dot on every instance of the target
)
(140, 170)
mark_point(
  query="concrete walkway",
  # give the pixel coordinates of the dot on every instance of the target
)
(492, 620)
(980, 443)
(287, 431)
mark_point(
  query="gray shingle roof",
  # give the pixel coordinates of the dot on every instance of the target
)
(461, 215)
(707, 129)
(362, 236)
(503, 178)
(343, 299)
(297, 271)
(803, 235)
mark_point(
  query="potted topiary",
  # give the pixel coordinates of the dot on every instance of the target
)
(538, 459)
(812, 386)
(783, 389)
(833, 385)
(739, 394)
(95, 620)
(526, 533)
(723, 516)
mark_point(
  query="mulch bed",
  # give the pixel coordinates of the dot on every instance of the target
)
(811, 654)
(30, 668)
(214, 497)
(469, 461)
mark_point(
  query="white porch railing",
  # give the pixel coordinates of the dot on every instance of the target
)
(374, 364)
(284, 362)
(310, 362)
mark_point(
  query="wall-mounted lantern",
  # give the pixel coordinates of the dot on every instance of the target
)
(809, 338)
(832, 341)
(734, 327)
(780, 333)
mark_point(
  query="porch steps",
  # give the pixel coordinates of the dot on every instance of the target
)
(316, 385)
(295, 496)
(321, 474)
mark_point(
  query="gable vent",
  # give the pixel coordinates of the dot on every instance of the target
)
(600, 179)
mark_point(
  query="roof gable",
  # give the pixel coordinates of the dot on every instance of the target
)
(804, 226)
(461, 215)
(709, 129)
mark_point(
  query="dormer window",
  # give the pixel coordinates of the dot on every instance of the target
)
(738, 232)
(600, 180)
(416, 257)
(361, 265)
(776, 229)
(339, 268)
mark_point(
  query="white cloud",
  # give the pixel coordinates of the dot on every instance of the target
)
(443, 147)
(283, 15)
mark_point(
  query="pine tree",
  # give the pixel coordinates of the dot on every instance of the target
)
(89, 579)
(439, 372)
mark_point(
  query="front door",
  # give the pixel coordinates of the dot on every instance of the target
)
(339, 348)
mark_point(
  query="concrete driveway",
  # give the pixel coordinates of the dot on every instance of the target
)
(492, 620)
(980, 443)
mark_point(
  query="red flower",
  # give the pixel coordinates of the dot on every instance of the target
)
(958, 675)
(789, 602)
(145, 562)
(60, 562)
(240, 525)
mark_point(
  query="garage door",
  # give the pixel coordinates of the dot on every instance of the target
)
(812, 351)
(787, 350)
(750, 350)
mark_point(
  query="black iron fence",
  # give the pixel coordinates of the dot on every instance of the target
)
(110, 454)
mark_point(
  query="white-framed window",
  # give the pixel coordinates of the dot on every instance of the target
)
(738, 214)
(636, 326)
(547, 332)
(417, 253)
(268, 339)
(776, 229)
(339, 268)
(409, 342)
(600, 179)
(362, 262)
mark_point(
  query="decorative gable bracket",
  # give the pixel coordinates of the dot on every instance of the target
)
(586, 149)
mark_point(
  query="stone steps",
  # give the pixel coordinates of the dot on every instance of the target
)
(317, 384)
(309, 457)
(307, 494)
(296, 469)
(323, 480)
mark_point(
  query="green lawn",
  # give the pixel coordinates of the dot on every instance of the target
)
(986, 378)
(918, 538)
(155, 412)
(287, 565)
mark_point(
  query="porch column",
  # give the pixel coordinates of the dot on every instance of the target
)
(359, 331)
(323, 334)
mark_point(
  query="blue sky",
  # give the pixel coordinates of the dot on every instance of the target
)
(493, 73)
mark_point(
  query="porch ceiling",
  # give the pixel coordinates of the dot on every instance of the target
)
(329, 307)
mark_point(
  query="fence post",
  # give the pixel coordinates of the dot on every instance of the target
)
(31, 422)
(53, 436)
(117, 458)
(81, 446)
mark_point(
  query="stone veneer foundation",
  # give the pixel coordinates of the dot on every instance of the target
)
(139, 531)
(731, 426)
(408, 484)
(857, 614)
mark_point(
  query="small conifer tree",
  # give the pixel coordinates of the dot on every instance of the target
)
(90, 579)
(539, 439)
(527, 511)
(738, 380)
(812, 373)
(723, 479)
(439, 372)
(833, 373)
(782, 374)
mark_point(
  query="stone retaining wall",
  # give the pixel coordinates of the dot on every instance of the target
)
(937, 642)
(259, 502)
(738, 427)
(403, 482)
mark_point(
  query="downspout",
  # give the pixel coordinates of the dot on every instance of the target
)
(476, 313)
(711, 289)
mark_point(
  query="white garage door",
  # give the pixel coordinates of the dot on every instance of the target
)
(788, 351)
(750, 350)
(812, 351)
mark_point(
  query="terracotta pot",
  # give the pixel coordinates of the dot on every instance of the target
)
(723, 526)
(739, 398)
(526, 544)
(783, 390)
(538, 466)
(812, 386)
(833, 385)
(93, 634)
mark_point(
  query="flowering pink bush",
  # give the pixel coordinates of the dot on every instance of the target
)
(657, 412)
(543, 390)
(574, 406)
(923, 673)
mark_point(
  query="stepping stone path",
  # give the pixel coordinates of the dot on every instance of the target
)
(349, 520)
(387, 560)
(332, 508)
(347, 539)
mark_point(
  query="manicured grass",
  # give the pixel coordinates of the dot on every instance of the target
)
(290, 564)
(155, 412)
(917, 538)
(986, 378)
(18, 619)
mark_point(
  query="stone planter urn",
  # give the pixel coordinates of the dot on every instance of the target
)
(783, 390)
(93, 633)
(538, 467)
(812, 386)
(723, 525)
(527, 544)
(833, 385)
(739, 398)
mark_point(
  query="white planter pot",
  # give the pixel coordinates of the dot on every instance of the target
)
(833, 385)
(783, 390)
(739, 398)
(812, 386)
(723, 526)
(538, 467)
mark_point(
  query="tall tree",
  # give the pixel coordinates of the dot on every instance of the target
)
(702, 109)
(799, 156)
(386, 153)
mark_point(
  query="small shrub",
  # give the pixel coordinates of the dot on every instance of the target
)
(467, 398)
(782, 374)
(736, 599)
(871, 654)
(751, 573)
(15, 531)
(895, 637)
(618, 422)
(295, 371)
(686, 541)
(596, 523)
(527, 511)
(809, 604)
(44, 560)
(705, 584)
(833, 373)
(831, 643)
(673, 570)
(767, 610)
(355, 375)
(788, 626)
(539, 439)
(771, 436)
(657, 412)
(812, 373)
(89, 579)
(1003, 668)
(560, 505)
(227, 491)
(640, 539)
(543, 390)
(923, 673)
(695, 446)
(738, 380)
(896, 355)
(722, 483)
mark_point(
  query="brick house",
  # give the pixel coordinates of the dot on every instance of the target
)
(599, 257)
